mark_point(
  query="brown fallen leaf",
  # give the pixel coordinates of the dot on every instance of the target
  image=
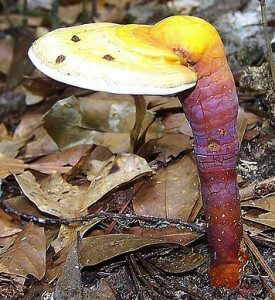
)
(72, 155)
(69, 284)
(179, 262)
(97, 249)
(21, 65)
(6, 53)
(10, 166)
(102, 119)
(55, 197)
(8, 224)
(171, 192)
(267, 204)
(171, 234)
(171, 145)
(27, 255)
(59, 198)
(111, 174)
(177, 122)
(102, 291)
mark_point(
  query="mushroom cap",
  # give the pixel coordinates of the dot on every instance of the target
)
(124, 59)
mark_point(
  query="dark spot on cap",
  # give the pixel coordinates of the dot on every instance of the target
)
(60, 58)
(75, 38)
(115, 168)
(108, 57)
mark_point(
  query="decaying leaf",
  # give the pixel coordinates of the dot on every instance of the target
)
(180, 262)
(8, 225)
(113, 173)
(97, 249)
(171, 145)
(265, 204)
(69, 285)
(101, 119)
(171, 234)
(171, 192)
(27, 255)
(177, 123)
(10, 166)
(56, 197)
(61, 199)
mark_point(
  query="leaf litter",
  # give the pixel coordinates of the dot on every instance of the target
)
(45, 130)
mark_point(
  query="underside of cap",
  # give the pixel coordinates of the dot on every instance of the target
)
(111, 58)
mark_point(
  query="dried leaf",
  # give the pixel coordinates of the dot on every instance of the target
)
(69, 285)
(10, 166)
(27, 255)
(97, 249)
(171, 145)
(111, 174)
(55, 197)
(267, 204)
(8, 225)
(102, 291)
(101, 119)
(21, 65)
(6, 54)
(180, 262)
(171, 192)
(177, 123)
(61, 199)
(171, 234)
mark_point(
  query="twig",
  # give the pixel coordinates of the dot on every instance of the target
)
(54, 14)
(267, 40)
(24, 13)
(78, 167)
(200, 228)
(152, 287)
(129, 198)
(129, 259)
(260, 258)
(163, 281)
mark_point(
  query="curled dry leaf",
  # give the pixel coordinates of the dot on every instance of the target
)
(172, 192)
(59, 198)
(56, 197)
(27, 255)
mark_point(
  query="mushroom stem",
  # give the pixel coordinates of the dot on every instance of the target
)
(211, 108)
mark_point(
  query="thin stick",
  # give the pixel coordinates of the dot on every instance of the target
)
(259, 257)
(54, 14)
(104, 215)
(267, 40)
(129, 260)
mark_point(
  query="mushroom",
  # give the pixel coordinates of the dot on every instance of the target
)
(181, 55)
